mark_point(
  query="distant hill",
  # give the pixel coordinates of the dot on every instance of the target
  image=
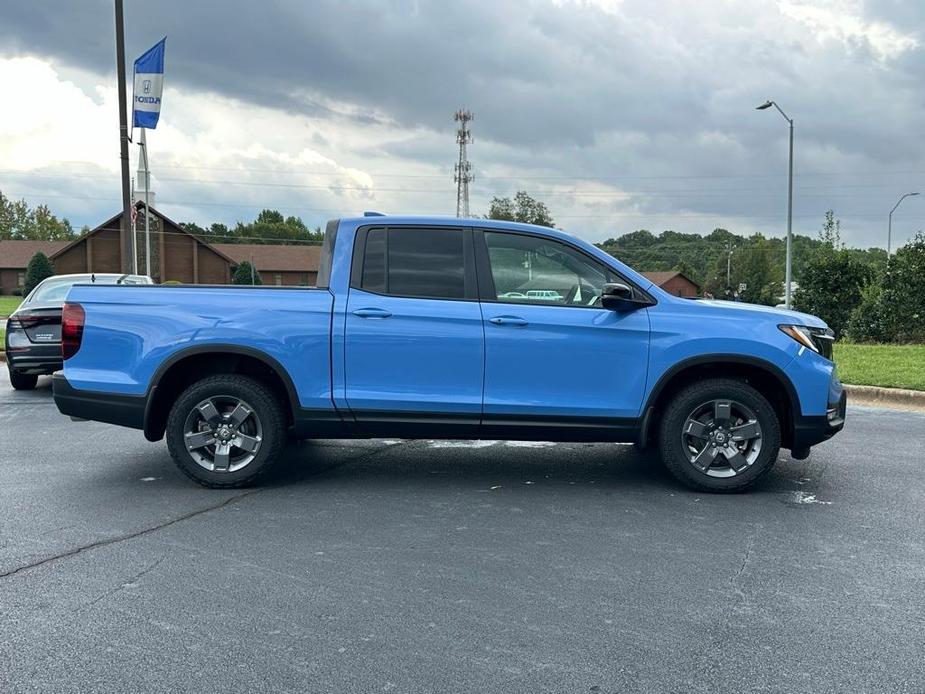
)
(757, 261)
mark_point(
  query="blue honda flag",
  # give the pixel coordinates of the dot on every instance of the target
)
(149, 83)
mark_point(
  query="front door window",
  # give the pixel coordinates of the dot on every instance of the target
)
(536, 270)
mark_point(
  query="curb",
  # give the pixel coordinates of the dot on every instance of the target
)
(2, 356)
(886, 397)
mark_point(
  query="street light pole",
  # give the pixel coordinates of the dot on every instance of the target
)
(889, 227)
(788, 272)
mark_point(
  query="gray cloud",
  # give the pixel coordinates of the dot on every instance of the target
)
(656, 98)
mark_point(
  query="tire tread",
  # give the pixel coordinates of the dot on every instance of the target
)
(709, 389)
(271, 417)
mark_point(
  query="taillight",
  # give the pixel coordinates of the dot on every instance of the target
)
(72, 329)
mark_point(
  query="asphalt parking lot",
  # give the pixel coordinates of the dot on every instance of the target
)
(456, 567)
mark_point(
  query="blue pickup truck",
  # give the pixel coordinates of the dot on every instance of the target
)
(424, 327)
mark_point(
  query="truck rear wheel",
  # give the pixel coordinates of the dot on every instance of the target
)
(719, 435)
(226, 431)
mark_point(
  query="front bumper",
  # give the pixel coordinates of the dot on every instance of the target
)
(808, 431)
(124, 410)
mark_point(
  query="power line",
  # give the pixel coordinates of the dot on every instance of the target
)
(576, 176)
(541, 193)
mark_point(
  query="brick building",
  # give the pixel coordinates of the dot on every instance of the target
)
(176, 255)
(294, 265)
(15, 256)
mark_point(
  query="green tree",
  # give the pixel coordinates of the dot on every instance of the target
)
(757, 267)
(39, 268)
(833, 280)
(246, 274)
(894, 309)
(19, 221)
(685, 269)
(270, 227)
(523, 208)
(47, 227)
(270, 217)
(7, 218)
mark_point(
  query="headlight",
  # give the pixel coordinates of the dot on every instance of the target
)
(817, 339)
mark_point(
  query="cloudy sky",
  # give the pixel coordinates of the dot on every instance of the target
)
(619, 114)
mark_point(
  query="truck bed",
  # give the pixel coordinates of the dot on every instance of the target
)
(132, 331)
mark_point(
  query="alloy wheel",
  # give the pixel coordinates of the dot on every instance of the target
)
(223, 433)
(722, 438)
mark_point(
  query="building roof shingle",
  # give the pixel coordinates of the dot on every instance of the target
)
(274, 258)
(17, 254)
(660, 277)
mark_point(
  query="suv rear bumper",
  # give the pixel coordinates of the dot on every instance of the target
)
(124, 410)
(35, 359)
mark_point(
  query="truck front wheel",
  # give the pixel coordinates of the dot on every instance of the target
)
(719, 435)
(226, 431)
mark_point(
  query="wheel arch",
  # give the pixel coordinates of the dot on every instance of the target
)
(769, 379)
(199, 361)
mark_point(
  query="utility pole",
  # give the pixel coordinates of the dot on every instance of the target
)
(127, 242)
(463, 168)
(729, 249)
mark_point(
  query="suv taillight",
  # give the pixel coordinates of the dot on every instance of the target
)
(72, 329)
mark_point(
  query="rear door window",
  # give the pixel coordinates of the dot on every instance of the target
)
(416, 262)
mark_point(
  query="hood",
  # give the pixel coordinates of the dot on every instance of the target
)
(781, 315)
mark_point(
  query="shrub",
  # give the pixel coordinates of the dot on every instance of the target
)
(39, 268)
(894, 311)
(246, 274)
(831, 287)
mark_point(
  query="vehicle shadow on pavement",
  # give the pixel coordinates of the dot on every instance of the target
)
(451, 465)
(485, 465)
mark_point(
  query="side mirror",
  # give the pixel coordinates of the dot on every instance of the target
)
(619, 297)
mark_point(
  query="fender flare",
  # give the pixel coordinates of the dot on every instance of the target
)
(716, 358)
(215, 348)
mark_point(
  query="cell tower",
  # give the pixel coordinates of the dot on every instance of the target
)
(463, 168)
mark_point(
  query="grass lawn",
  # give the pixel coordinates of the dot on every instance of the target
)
(890, 366)
(8, 304)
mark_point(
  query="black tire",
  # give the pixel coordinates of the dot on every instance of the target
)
(22, 381)
(676, 450)
(264, 408)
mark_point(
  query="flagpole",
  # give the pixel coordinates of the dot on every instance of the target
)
(134, 233)
(144, 147)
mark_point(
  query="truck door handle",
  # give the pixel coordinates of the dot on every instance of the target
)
(372, 313)
(508, 320)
